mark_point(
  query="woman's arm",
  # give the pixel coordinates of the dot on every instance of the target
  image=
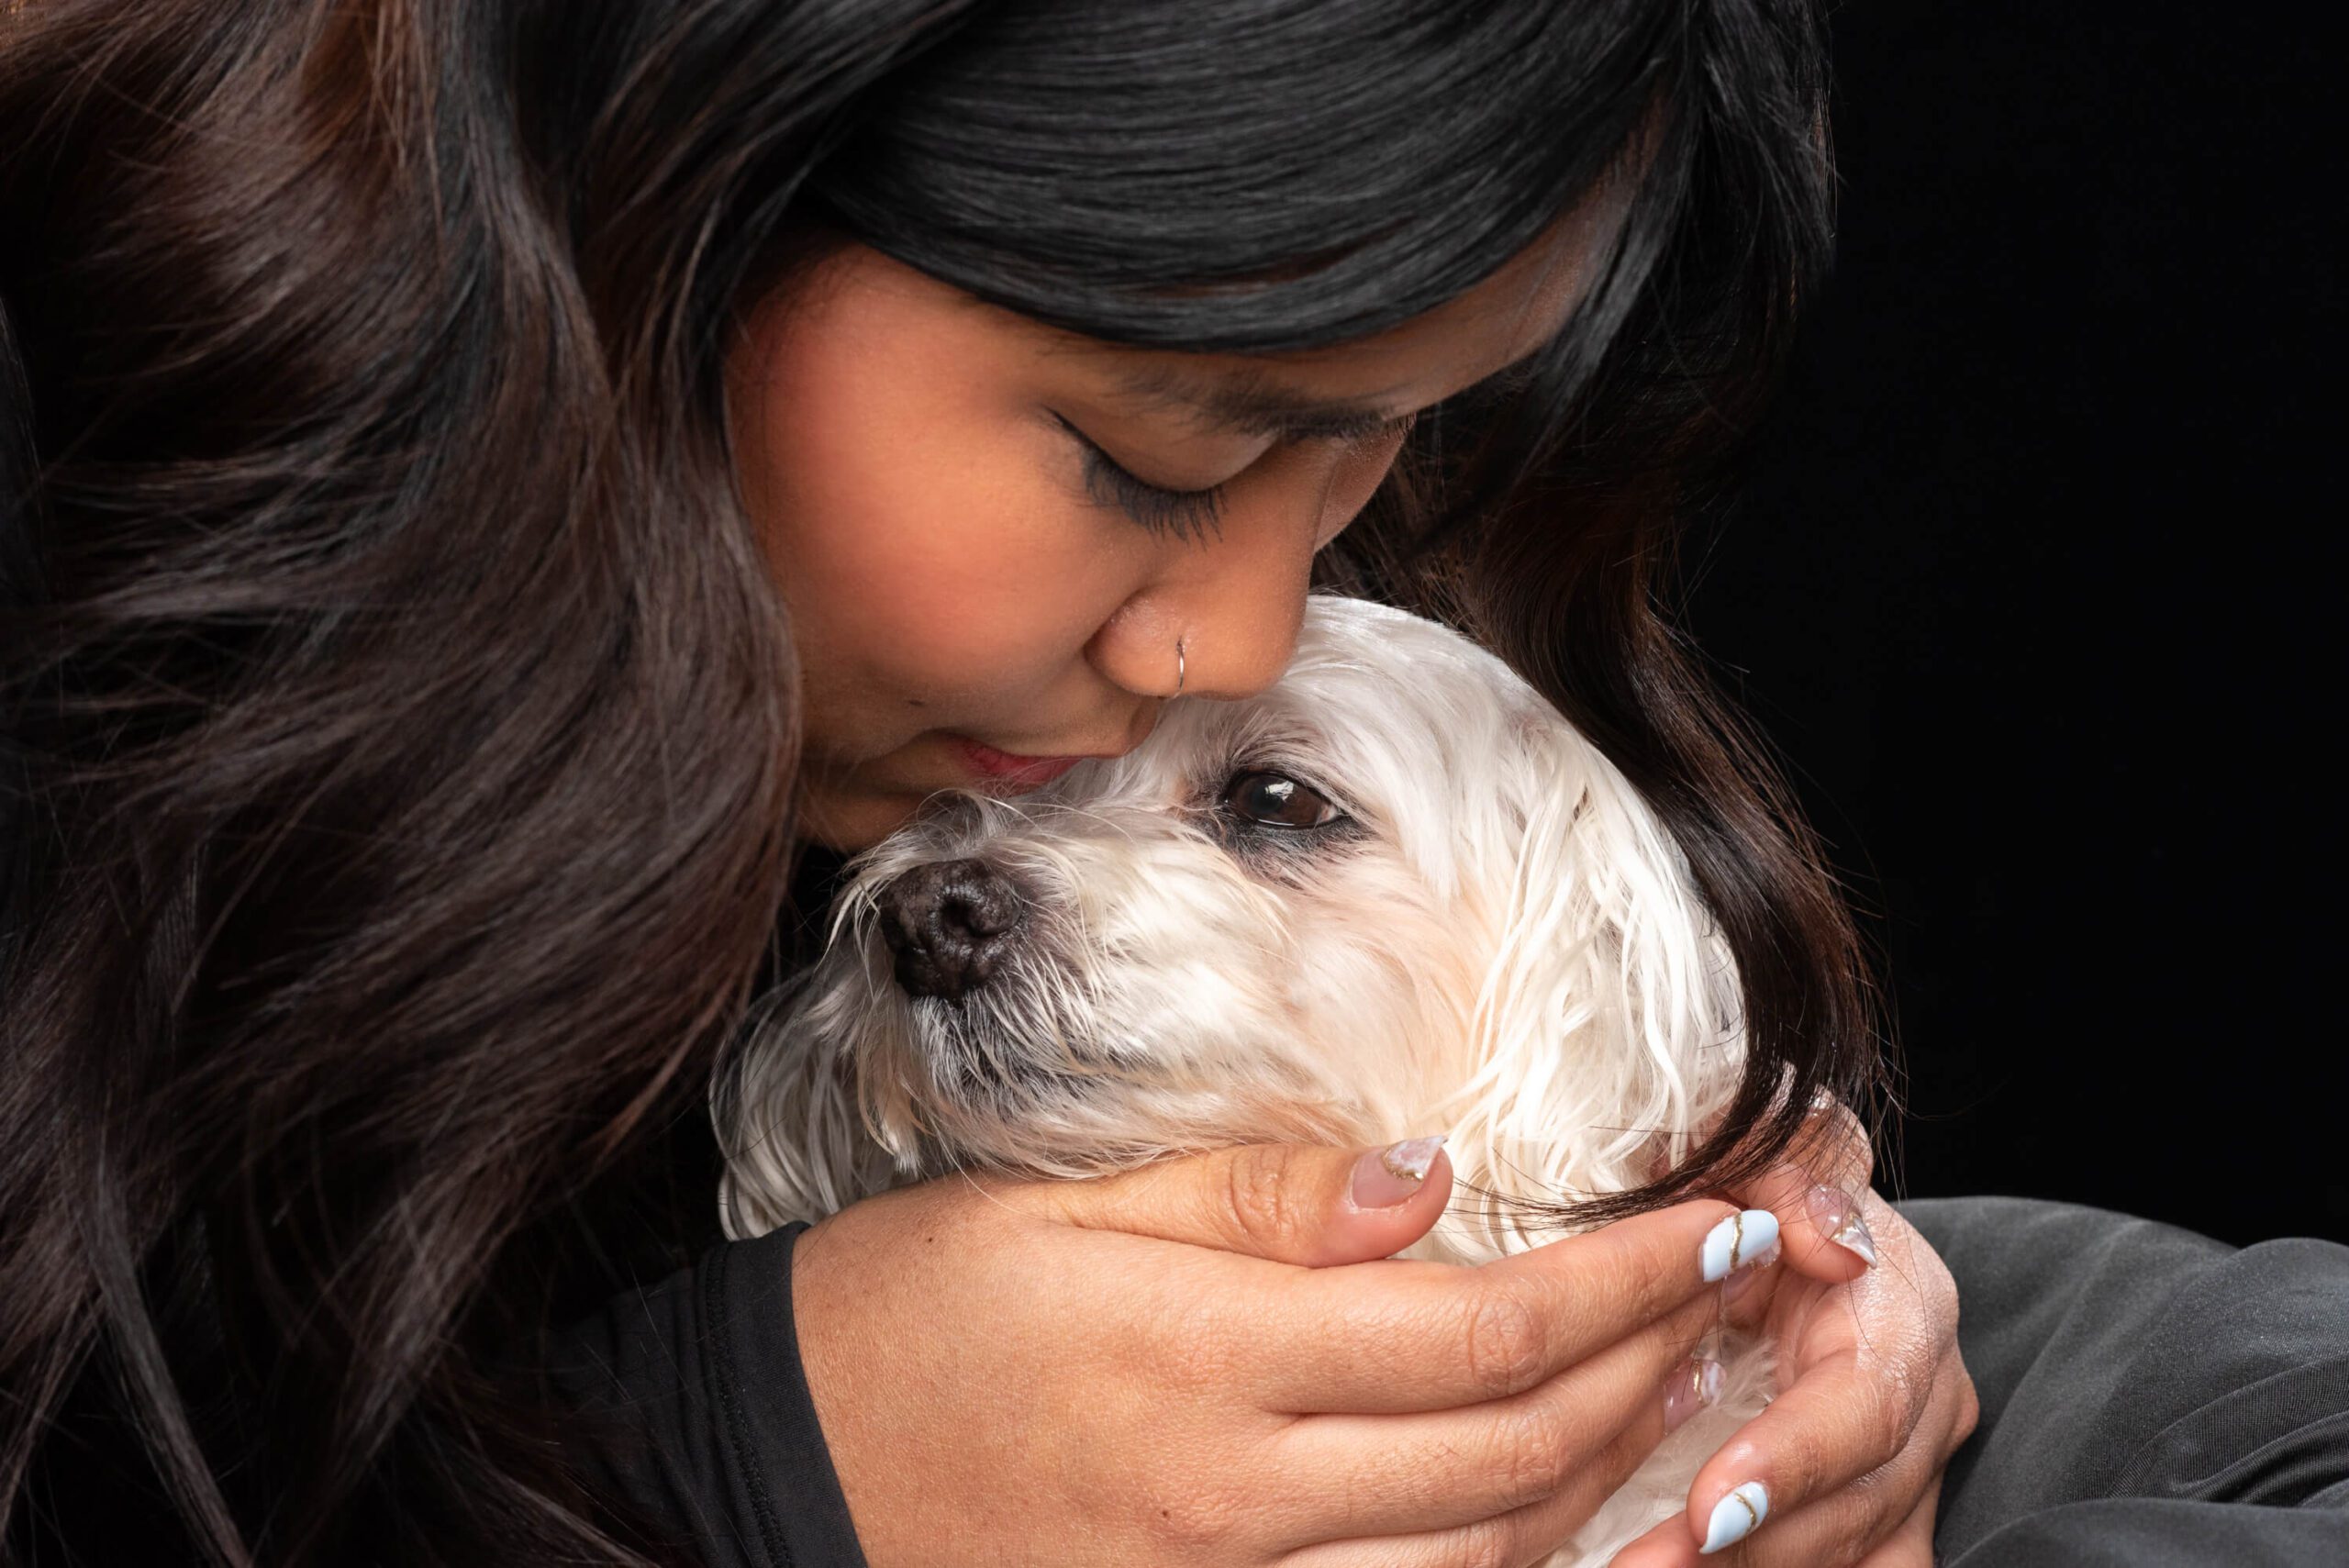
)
(1217, 1360)
(1211, 1361)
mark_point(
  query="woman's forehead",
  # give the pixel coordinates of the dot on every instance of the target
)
(1511, 314)
(1337, 390)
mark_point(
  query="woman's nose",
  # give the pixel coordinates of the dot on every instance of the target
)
(1229, 635)
(1232, 600)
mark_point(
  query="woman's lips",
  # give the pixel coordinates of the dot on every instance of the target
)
(1003, 767)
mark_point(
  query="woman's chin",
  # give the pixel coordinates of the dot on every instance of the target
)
(852, 819)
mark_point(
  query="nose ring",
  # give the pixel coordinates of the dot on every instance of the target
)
(1179, 672)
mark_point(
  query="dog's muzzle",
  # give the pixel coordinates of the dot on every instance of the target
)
(949, 925)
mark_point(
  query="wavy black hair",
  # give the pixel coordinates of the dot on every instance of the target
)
(397, 727)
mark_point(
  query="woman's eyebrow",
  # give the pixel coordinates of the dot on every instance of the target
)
(1249, 401)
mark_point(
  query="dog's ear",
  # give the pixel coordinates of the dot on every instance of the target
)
(1606, 1027)
(786, 1113)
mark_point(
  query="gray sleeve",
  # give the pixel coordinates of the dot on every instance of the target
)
(2150, 1396)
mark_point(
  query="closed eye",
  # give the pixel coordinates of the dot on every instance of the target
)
(1182, 514)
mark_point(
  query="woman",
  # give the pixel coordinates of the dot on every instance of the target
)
(487, 484)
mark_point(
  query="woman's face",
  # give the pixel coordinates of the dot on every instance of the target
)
(974, 601)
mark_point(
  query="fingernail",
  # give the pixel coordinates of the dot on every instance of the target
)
(1696, 1385)
(1837, 1216)
(1736, 1516)
(1385, 1177)
(1741, 1279)
(1740, 1239)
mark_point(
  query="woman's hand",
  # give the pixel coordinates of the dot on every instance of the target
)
(1864, 1319)
(1214, 1360)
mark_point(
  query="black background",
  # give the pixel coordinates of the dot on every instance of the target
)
(2036, 588)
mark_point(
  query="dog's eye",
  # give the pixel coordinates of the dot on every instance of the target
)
(1275, 800)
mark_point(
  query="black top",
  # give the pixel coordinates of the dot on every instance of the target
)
(692, 1400)
(696, 1410)
(683, 1397)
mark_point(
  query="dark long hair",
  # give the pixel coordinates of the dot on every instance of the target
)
(398, 726)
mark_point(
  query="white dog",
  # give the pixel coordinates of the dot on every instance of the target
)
(1396, 895)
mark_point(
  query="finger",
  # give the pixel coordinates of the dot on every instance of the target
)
(1835, 1522)
(1821, 1227)
(1816, 1187)
(1401, 1336)
(1403, 1474)
(1528, 1534)
(1840, 1420)
(1856, 1526)
(1834, 1145)
(1290, 1203)
(1910, 1546)
(1666, 1546)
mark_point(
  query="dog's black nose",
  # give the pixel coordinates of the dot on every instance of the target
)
(949, 925)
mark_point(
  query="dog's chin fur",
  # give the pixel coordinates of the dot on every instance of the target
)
(1499, 941)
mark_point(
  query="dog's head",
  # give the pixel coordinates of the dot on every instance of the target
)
(1396, 894)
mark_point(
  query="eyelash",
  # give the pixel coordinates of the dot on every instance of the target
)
(1181, 513)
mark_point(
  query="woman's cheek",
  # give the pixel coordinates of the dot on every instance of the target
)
(964, 589)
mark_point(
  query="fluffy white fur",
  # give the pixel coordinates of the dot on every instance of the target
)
(1501, 944)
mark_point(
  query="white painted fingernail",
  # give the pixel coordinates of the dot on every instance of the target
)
(1736, 1516)
(1740, 1239)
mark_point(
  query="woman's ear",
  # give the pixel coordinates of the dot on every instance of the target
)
(1607, 1028)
